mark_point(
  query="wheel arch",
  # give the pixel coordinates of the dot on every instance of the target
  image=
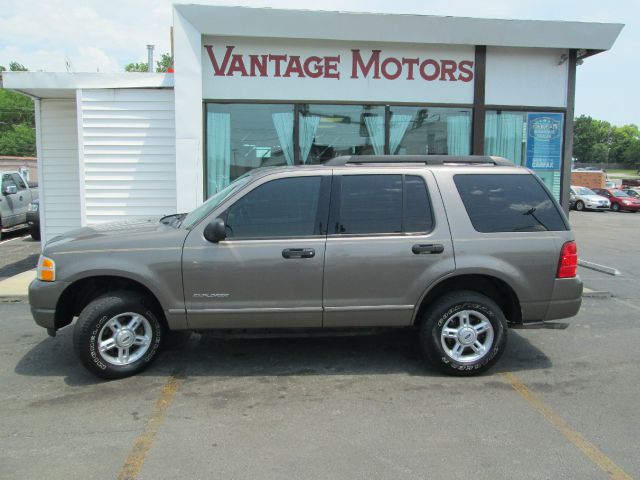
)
(82, 291)
(493, 287)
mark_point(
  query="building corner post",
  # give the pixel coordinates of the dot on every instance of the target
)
(568, 132)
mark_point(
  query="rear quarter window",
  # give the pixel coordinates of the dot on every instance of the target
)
(508, 203)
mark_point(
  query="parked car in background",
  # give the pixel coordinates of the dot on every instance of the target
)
(632, 192)
(587, 199)
(15, 197)
(619, 199)
(33, 219)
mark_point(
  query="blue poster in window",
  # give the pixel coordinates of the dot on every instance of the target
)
(544, 141)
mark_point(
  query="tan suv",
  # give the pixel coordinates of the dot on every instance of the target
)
(458, 248)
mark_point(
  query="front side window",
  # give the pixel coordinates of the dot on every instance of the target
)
(508, 203)
(286, 207)
(383, 204)
(18, 180)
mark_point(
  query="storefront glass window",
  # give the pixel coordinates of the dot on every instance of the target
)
(531, 139)
(328, 131)
(241, 137)
(429, 131)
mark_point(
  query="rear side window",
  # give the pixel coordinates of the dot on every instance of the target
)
(16, 178)
(383, 204)
(508, 203)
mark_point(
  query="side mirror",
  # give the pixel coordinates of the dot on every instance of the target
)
(215, 231)
(9, 190)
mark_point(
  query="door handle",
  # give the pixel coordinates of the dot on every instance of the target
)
(298, 253)
(427, 248)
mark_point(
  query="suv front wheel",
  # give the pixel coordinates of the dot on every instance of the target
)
(117, 335)
(463, 333)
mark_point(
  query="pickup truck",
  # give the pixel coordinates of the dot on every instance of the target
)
(15, 197)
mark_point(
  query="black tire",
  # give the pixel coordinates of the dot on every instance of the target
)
(93, 318)
(615, 207)
(579, 205)
(447, 307)
(35, 233)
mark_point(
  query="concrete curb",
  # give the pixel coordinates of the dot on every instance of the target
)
(599, 268)
(588, 293)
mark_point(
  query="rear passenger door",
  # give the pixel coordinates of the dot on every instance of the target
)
(388, 240)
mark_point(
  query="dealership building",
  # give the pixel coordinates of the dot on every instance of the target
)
(256, 87)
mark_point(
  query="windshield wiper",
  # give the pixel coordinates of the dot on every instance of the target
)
(174, 219)
(531, 212)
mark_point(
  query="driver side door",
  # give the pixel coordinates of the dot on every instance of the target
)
(268, 272)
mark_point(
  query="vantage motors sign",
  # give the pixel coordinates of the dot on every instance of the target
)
(336, 71)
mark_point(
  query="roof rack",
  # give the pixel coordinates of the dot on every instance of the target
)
(424, 159)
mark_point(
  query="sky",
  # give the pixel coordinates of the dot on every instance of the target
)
(98, 35)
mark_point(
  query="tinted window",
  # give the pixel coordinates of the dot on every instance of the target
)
(417, 209)
(371, 204)
(508, 203)
(281, 208)
(374, 204)
(16, 178)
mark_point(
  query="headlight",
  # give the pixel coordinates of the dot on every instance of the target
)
(46, 269)
(33, 207)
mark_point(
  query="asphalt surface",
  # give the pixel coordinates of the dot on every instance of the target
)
(18, 253)
(559, 404)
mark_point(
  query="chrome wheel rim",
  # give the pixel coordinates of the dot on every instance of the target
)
(124, 339)
(467, 336)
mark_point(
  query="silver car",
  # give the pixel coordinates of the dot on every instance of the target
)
(587, 199)
(455, 248)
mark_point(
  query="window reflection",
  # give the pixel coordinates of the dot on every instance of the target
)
(328, 131)
(241, 137)
(429, 131)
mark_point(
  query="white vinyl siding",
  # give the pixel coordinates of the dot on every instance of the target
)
(59, 188)
(128, 153)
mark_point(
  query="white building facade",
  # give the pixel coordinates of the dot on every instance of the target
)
(258, 87)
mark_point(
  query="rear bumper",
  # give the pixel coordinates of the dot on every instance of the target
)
(566, 298)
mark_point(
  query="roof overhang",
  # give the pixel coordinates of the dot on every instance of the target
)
(394, 28)
(64, 85)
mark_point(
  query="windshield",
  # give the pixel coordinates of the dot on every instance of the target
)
(203, 210)
(585, 191)
(619, 193)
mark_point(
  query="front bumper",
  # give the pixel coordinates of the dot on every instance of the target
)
(597, 206)
(33, 218)
(566, 298)
(43, 298)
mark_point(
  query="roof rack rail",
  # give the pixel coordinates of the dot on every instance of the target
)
(424, 159)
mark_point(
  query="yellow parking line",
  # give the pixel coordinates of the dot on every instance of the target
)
(138, 453)
(587, 448)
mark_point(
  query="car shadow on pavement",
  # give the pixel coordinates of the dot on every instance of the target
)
(389, 352)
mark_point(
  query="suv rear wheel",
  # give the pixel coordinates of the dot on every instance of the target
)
(463, 333)
(117, 335)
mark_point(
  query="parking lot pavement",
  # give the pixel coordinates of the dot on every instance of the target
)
(560, 404)
(18, 253)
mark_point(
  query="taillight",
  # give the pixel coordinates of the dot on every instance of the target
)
(568, 264)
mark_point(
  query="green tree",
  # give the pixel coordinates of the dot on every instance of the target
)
(162, 65)
(17, 67)
(17, 120)
(137, 67)
(19, 141)
(587, 133)
(165, 62)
